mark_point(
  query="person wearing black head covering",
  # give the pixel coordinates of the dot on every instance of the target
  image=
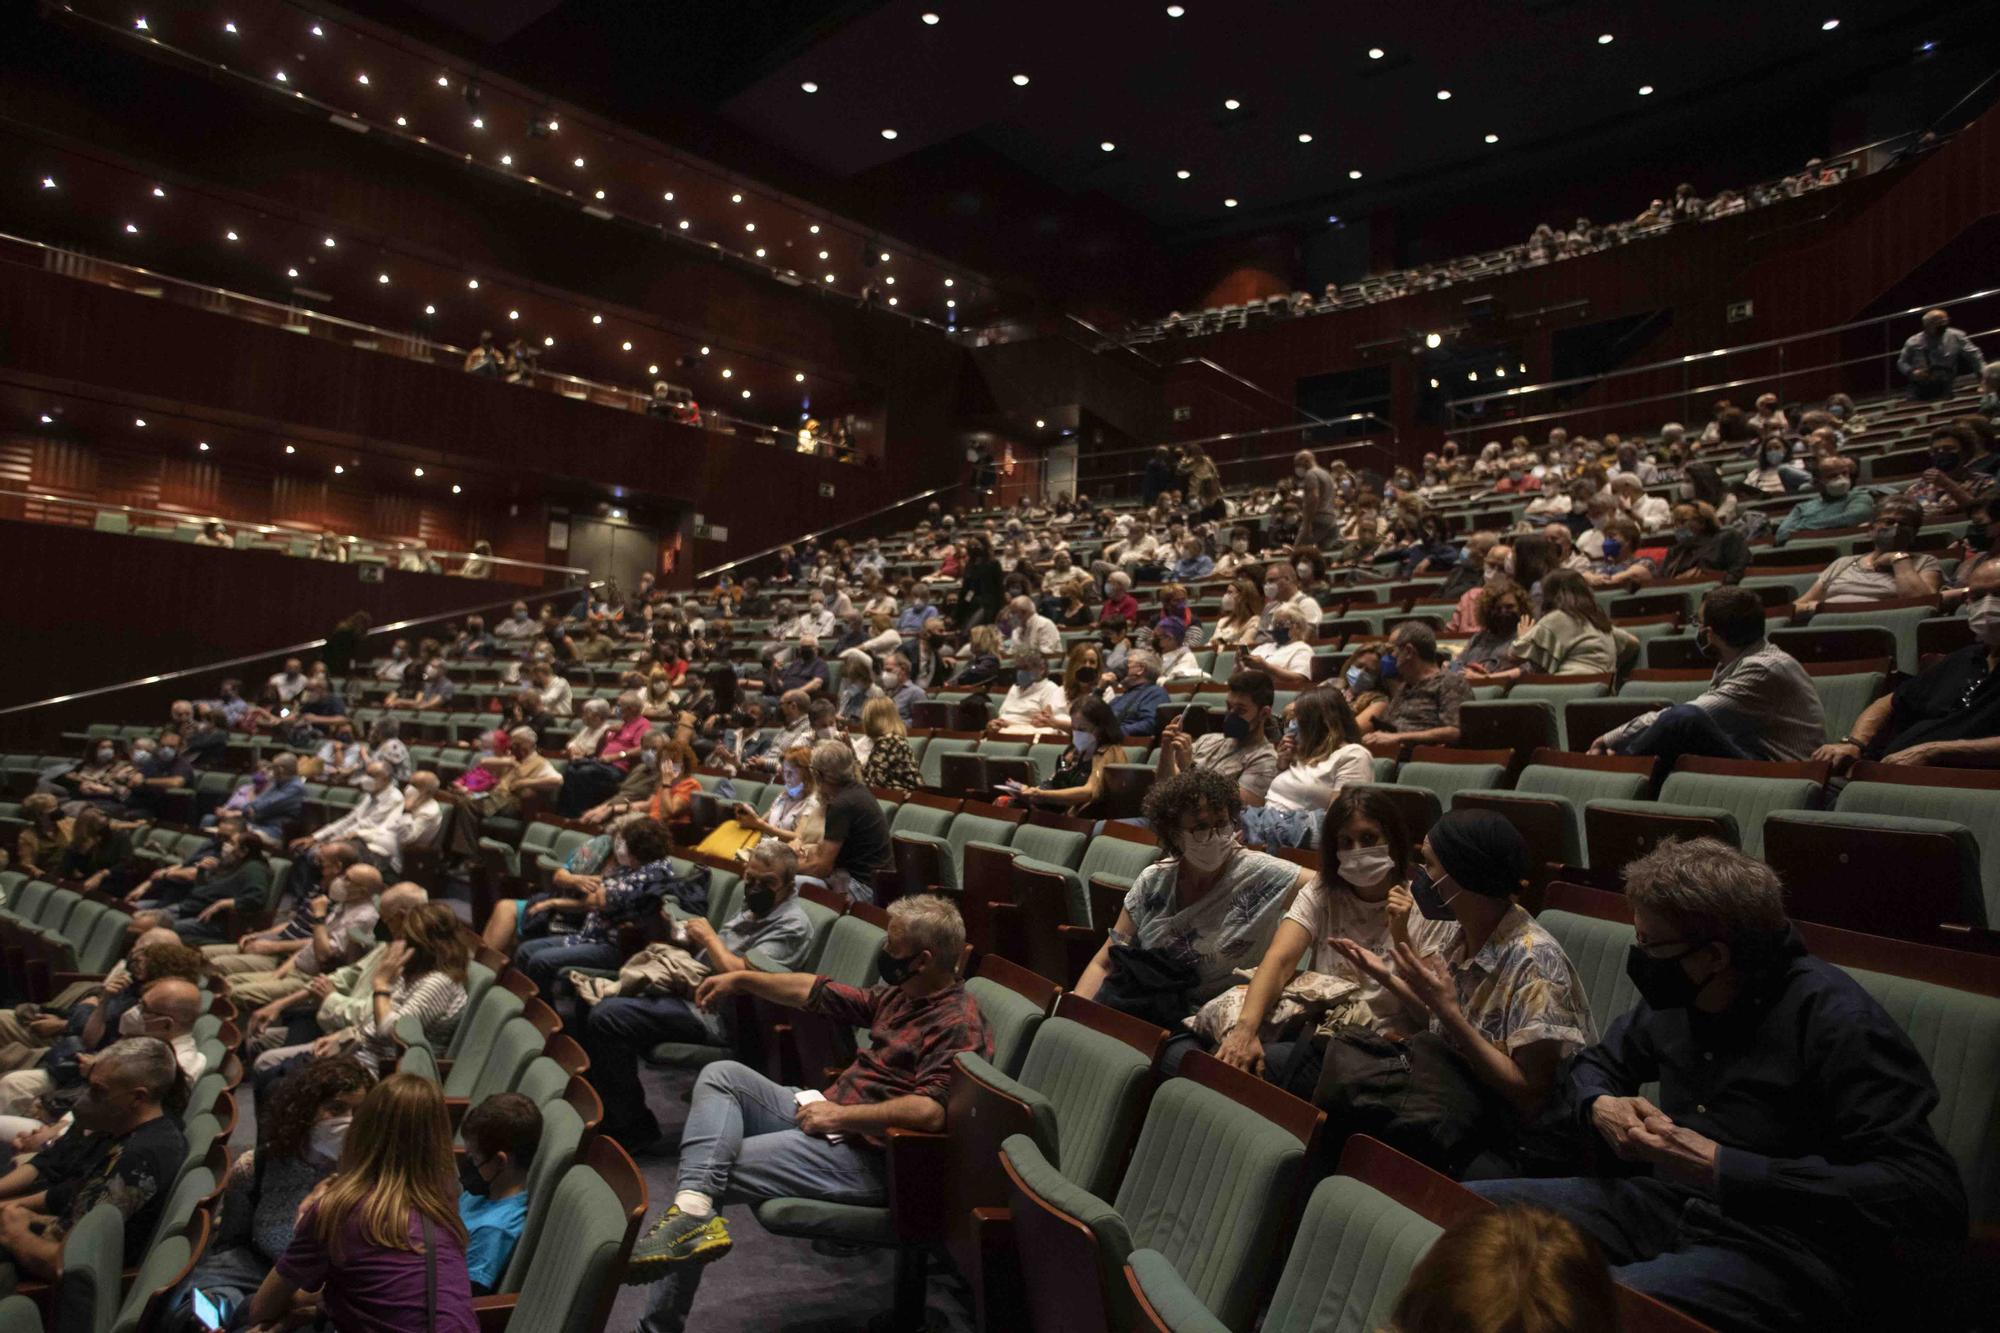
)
(1470, 964)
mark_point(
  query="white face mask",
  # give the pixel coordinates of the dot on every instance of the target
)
(132, 1023)
(336, 892)
(1365, 867)
(330, 1135)
(1205, 852)
(1984, 614)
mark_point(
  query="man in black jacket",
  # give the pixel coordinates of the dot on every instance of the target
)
(1790, 1150)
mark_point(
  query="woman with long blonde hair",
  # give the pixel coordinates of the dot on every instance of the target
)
(381, 1241)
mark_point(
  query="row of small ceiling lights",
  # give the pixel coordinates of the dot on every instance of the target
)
(202, 446)
(552, 125)
(1234, 104)
(233, 237)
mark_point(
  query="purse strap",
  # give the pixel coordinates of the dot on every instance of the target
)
(430, 1277)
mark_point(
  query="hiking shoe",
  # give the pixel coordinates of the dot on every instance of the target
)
(677, 1238)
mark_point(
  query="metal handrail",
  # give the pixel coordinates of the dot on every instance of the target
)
(289, 650)
(82, 264)
(271, 529)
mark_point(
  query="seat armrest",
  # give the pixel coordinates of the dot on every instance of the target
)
(1165, 1303)
(494, 1312)
(917, 1162)
(456, 1107)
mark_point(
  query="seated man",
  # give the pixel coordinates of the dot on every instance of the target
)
(748, 1138)
(381, 801)
(1760, 704)
(342, 929)
(805, 670)
(896, 683)
(1424, 708)
(524, 772)
(169, 884)
(125, 1149)
(240, 882)
(500, 1136)
(1028, 630)
(277, 804)
(622, 1027)
(1239, 750)
(166, 1009)
(286, 1027)
(1030, 696)
(1834, 504)
(27, 1031)
(1894, 569)
(1140, 695)
(1947, 714)
(1791, 1149)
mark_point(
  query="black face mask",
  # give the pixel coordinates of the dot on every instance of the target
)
(895, 970)
(1429, 898)
(760, 901)
(382, 935)
(470, 1180)
(1662, 982)
(1235, 726)
(1506, 622)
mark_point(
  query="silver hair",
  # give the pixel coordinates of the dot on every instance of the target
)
(147, 1061)
(932, 923)
(1711, 890)
(778, 857)
(631, 699)
(596, 708)
(833, 764)
(524, 733)
(1146, 660)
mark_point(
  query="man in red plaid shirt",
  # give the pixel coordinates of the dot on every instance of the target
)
(748, 1138)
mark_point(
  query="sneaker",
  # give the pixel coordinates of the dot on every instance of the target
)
(677, 1238)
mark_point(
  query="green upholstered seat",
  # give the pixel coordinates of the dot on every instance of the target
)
(479, 979)
(1596, 950)
(1011, 1017)
(1086, 1091)
(1207, 1187)
(562, 1136)
(853, 1224)
(93, 1263)
(542, 1081)
(914, 818)
(1748, 799)
(1664, 691)
(1901, 622)
(1352, 1252)
(950, 845)
(1115, 860)
(1063, 847)
(576, 1257)
(165, 1262)
(929, 766)
(1842, 699)
(1445, 781)
(482, 1027)
(518, 1043)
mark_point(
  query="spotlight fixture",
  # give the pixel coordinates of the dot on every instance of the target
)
(799, 378)
(1433, 340)
(1183, 174)
(577, 163)
(600, 194)
(417, 471)
(229, 236)
(48, 420)
(403, 121)
(291, 448)
(727, 373)
(814, 229)
(329, 243)
(140, 23)
(1229, 203)
(1020, 80)
(888, 134)
(626, 346)
(950, 282)
(1231, 104)
(430, 310)
(291, 273)
(159, 193)
(809, 87)
(338, 469)
(513, 314)
(1604, 39)
(382, 278)
(1175, 11)
(829, 277)
(597, 319)
(443, 82)
(652, 370)
(1108, 146)
(1645, 90)
(1305, 138)
(1376, 53)
(139, 422)
(892, 300)
(229, 28)
(1493, 138)
(930, 19)
(472, 284)
(131, 229)
(549, 341)
(48, 182)
(668, 196)
(749, 226)
(361, 79)
(735, 198)
(1829, 25)
(1041, 424)
(506, 159)
(201, 445)
(746, 393)
(317, 31)
(454, 488)
(1444, 94)
(684, 224)
(1354, 175)
(280, 77)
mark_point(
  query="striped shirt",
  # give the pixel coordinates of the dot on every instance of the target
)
(435, 1000)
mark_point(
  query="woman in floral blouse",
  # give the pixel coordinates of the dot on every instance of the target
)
(890, 762)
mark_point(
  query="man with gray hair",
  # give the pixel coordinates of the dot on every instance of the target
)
(748, 1138)
(123, 1148)
(1791, 1145)
(618, 1027)
(364, 827)
(1140, 694)
(1936, 355)
(855, 852)
(1029, 631)
(1030, 696)
(1424, 708)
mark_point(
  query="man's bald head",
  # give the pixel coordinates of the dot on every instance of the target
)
(400, 898)
(363, 881)
(157, 935)
(424, 781)
(175, 999)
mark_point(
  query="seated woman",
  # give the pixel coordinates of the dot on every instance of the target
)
(1892, 570)
(979, 660)
(383, 1241)
(890, 762)
(1501, 606)
(660, 703)
(1240, 626)
(421, 975)
(1492, 988)
(1174, 606)
(39, 847)
(1096, 739)
(1177, 660)
(798, 817)
(1702, 545)
(1364, 854)
(1210, 906)
(1572, 637)
(308, 1115)
(1620, 567)
(1076, 610)
(1361, 683)
(1775, 473)
(1320, 754)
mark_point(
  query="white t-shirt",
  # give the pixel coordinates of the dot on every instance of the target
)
(1294, 657)
(1324, 912)
(1021, 705)
(1313, 786)
(1180, 664)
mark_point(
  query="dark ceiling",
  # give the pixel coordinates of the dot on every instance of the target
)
(1125, 72)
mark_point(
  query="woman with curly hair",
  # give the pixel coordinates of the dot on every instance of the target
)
(304, 1122)
(1210, 904)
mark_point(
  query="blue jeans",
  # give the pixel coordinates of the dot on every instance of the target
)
(740, 1146)
(545, 959)
(1676, 1246)
(616, 1032)
(1269, 827)
(1684, 729)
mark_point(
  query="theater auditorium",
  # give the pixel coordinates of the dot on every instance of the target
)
(912, 666)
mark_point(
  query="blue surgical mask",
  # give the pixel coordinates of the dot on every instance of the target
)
(1359, 681)
(1083, 742)
(1390, 669)
(1025, 678)
(1613, 548)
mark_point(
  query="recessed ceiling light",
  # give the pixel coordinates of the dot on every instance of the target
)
(140, 422)
(1433, 340)
(799, 378)
(814, 229)
(317, 31)
(1229, 203)
(1231, 104)
(1376, 53)
(1108, 146)
(578, 163)
(131, 229)
(202, 445)
(280, 77)
(1020, 80)
(746, 393)
(1333, 217)
(888, 134)
(735, 198)
(1041, 424)
(930, 18)
(139, 23)
(950, 282)
(382, 278)
(829, 277)
(478, 122)
(727, 373)
(417, 471)
(291, 448)
(361, 79)
(884, 256)
(48, 182)
(684, 224)
(600, 194)
(338, 469)
(513, 314)
(430, 310)
(329, 242)
(1493, 138)
(472, 283)
(809, 86)
(1444, 94)
(403, 120)
(443, 81)
(892, 300)
(1604, 39)
(749, 226)
(229, 236)
(1183, 174)
(1829, 25)
(823, 254)
(506, 159)
(1305, 138)
(1645, 90)
(1175, 11)
(548, 342)
(668, 196)
(48, 420)
(951, 305)
(704, 351)
(229, 27)
(454, 488)
(158, 193)
(891, 280)
(652, 370)
(291, 273)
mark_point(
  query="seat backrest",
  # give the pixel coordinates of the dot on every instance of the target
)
(1978, 810)
(1958, 1035)
(1063, 847)
(853, 948)
(822, 918)
(496, 1009)
(1748, 798)
(93, 1263)
(479, 978)
(1352, 1253)
(196, 1183)
(165, 1262)
(930, 766)
(1208, 1187)
(1011, 1017)
(1596, 950)
(513, 1050)
(1664, 691)
(1095, 1086)
(1842, 699)
(542, 1081)
(914, 818)
(562, 1135)
(977, 828)
(1580, 784)
(1447, 780)
(574, 1257)
(28, 902)
(1118, 858)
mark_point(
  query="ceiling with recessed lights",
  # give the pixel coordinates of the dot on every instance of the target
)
(1175, 110)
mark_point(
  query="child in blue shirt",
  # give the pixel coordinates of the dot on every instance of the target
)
(500, 1135)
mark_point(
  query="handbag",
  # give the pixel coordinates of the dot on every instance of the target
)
(661, 969)
(1149, 984)
(1309, 997)
(1418, 1095)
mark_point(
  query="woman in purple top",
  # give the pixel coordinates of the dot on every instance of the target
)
(380, 1240)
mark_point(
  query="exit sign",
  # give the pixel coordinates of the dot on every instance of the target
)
(826, 490)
